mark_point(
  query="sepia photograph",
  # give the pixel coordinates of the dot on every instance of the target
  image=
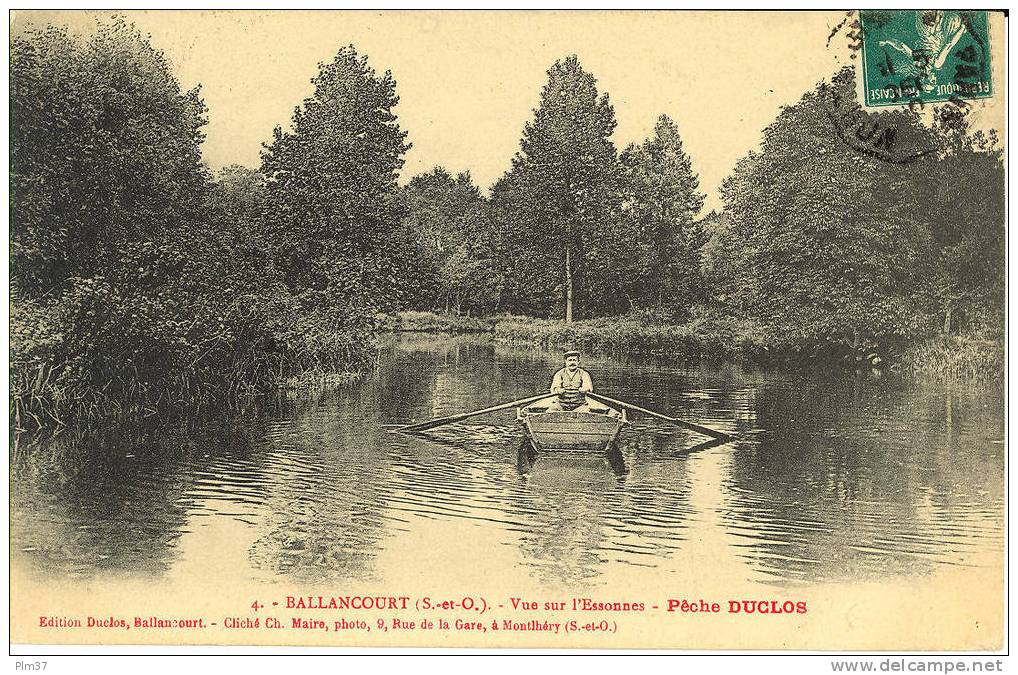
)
(542, 330)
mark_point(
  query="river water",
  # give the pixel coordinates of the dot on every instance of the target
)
(833, 478)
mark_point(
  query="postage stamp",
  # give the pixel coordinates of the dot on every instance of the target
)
(914, 56)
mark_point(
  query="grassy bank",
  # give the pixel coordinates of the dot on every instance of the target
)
(715, 339)
(127, 360)
(956, 358)
(699, 339)
(40, 398)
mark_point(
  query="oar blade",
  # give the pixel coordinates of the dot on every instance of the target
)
(430, 424)
(706, 431)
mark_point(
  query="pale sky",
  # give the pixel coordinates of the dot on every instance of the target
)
(468, 81)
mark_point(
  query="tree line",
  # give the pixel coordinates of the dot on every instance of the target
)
(574, 229)
(140, 277)
(845, 230)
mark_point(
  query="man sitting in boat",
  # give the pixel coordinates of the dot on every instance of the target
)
(571, 383)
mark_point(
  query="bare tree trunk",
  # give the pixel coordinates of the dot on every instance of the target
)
(947, 319)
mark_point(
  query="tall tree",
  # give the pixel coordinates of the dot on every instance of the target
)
(331, 181)
(663, 200)
(107, 108)
(966, 218)
(563, 185)
(833, 239)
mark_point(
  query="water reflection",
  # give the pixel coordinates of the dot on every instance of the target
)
(118, 501)
(864, 483)
(528, 455)
(831, 478)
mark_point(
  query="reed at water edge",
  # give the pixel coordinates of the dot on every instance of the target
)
(956, 357)
(711, 338)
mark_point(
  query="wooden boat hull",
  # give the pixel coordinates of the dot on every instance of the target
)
(592, 427)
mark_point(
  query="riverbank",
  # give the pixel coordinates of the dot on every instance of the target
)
(700, 339)
(713, 339)
(41, 398)
(697, 340)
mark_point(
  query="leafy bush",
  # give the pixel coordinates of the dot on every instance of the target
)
(137, 281)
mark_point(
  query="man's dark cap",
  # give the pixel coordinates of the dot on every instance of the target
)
(571, 352)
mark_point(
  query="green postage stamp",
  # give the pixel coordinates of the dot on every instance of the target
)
(915, 56)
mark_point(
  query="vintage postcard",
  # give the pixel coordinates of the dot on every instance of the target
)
(529, 329)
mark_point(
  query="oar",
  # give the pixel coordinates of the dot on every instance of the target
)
(706, 431)
(431, 424)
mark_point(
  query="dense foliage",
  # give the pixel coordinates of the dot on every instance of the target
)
(105, 152)
(138, 279)
(572, 226)
(836, 247)
(107, 189)
(964, 195)
(451, 222)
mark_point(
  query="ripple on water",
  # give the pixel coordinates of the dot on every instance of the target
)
(832, 478)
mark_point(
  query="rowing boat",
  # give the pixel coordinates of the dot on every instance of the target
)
(592, 426)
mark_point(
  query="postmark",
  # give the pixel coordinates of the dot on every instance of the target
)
(915, 57)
